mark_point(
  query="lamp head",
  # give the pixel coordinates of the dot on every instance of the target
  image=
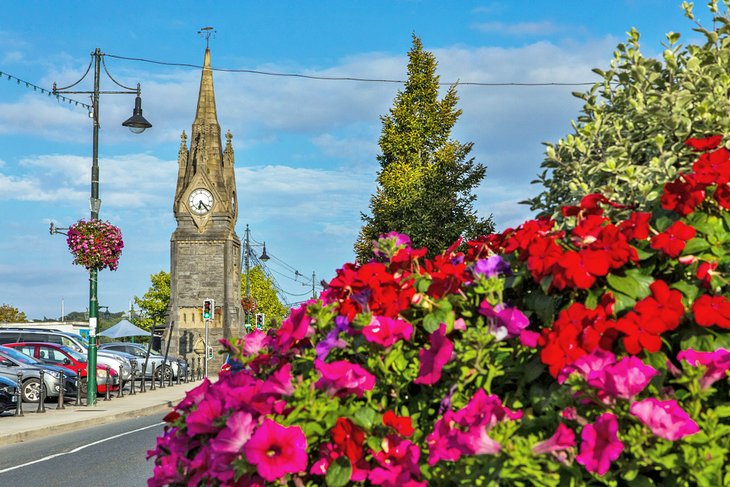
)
(264, 257)
(137, 123)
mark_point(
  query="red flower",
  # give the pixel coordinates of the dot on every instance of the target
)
(401, 424)
(722, 196)
(705, 143)
(673, 240)
(705, 271)
(713, 167)
(637, 226)
(663, 310)
(712, 310)
(349, 437)
(447, 274)
(582, 268)
(544, 254)
(683, 195)
(616, 246)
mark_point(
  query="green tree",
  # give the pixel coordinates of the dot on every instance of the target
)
(425, 180)
(155, 301)
(629, 138)
(11, 314)
(264, 294)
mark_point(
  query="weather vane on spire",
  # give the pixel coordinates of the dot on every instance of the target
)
(207, 32)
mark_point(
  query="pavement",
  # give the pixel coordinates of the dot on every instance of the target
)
(15, 429)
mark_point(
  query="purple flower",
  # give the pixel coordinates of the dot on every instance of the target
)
(389, 244)
(717, 364)
(664, 418)
(434, 359)
(505, 321)
(492, 266)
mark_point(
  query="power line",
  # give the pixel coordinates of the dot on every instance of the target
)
(341, 78)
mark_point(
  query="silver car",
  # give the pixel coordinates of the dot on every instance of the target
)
(173, 366)
(12, 362)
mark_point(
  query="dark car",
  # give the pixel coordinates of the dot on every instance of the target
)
(8, 397)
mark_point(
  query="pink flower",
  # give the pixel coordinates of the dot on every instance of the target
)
(397, 464)
(507, 321)
(600, 445)
(239, 428)
(587, 364)
(624, 379)
(296, 327)
(386, 331)
(201, 420)
(342, 378)
(434, 359)
(254, 342)
(562, 439)
(277, 450)
(664, 418)
(529, 338)
(717, 363)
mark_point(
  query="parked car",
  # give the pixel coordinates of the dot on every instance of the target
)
(76, 342)
(139, 351)
(13, 361)
(54, 354)
(8, 394)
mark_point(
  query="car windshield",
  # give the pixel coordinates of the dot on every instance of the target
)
(18, 356)
(74, 354)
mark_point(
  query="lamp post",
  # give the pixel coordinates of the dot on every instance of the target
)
(247, 266)
(137, 124)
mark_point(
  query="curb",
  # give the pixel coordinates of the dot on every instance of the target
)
(43, 431)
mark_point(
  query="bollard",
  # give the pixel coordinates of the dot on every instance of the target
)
(42, 395)
(169, 379)
(161, 376)
(152, 382)
(61, 405)
(143, 382)
(107, 393)
(121, 383)
(200, 371)
(131, 382)
(179, 372)
(18, 393)
(78, 390)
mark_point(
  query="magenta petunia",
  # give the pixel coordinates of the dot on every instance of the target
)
(397, 464)
(200, 421)
(666, 419)
(254, 342)
(277, 450)
(562, 439)
(717, 364)
(342, 378)
(386, 331)
(504, 321)
(434, 359)
(624, 379)
(600, 445)
(230, 440)
(587, 364)
(296, 327)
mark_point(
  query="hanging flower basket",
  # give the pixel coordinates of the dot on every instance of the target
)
(95, 244)
(248, 304)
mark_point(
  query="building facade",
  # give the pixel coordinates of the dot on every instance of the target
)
(205, 252)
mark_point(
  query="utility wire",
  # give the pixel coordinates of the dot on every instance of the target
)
(339, 78)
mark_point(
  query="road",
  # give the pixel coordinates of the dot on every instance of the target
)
(112, 455)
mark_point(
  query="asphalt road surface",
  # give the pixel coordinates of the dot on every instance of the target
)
(112, 455)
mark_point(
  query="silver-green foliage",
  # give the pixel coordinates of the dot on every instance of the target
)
(630, 134)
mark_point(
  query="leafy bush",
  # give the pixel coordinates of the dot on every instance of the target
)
(594, 355)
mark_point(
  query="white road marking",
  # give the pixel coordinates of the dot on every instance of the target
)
(82, 447)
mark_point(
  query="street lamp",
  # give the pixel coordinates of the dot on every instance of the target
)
(137, 124)
(246, 254)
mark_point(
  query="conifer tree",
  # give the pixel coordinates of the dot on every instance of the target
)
(426, 179)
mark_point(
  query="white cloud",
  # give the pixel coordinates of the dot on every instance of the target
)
(539, 28)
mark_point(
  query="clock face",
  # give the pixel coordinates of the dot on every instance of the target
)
(200, 201)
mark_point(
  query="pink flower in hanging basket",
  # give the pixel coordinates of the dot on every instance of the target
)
(95, 244)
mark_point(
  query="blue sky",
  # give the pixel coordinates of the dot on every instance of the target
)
(305, 150)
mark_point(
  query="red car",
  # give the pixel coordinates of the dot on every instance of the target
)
(55, 354)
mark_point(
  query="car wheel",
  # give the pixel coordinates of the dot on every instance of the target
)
(166, 374)
(31, 390)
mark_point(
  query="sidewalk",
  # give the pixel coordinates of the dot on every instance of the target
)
(14, 429)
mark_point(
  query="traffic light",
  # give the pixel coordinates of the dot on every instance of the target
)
(208, 309)
(260, 321)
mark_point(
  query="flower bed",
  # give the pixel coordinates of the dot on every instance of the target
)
(595, 352)
(95, 244)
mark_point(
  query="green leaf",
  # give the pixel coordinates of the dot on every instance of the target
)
(431, 322)
(364, 417)
(695, 246)
(339, 473)
(723, 411)
(633, 284)
(542, 305)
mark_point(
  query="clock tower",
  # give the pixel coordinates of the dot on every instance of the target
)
(205, 252)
